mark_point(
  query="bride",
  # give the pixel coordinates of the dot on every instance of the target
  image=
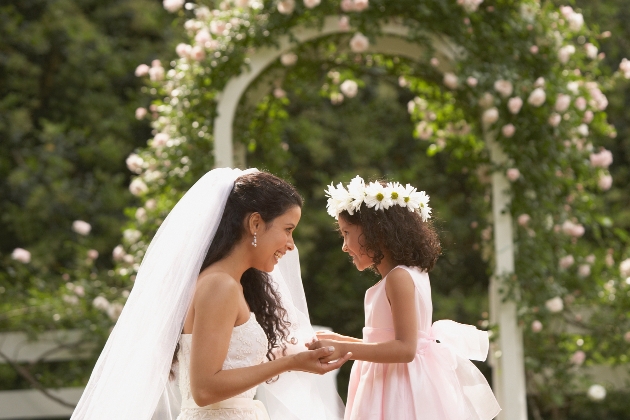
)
(213, 307)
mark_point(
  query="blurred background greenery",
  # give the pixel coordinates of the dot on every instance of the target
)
(67, 100)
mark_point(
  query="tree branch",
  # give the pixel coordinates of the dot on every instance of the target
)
(27, 375)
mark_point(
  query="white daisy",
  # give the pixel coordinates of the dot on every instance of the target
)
(397, 193)
(377, 196)
(337, 199)
(356, 190)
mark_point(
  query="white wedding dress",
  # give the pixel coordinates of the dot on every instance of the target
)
(248, 347)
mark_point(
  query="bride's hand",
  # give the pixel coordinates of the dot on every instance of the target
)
(310, 360)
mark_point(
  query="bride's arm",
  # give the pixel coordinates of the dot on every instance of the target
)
(215, 307)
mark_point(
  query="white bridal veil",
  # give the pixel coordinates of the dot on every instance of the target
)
(130, 379)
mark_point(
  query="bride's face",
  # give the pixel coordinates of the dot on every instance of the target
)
(275, 239)
(351, 244)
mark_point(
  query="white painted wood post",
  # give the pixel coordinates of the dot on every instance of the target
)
(508, 367)
(392, 42)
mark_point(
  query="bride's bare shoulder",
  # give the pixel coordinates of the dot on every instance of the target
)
(218, 285)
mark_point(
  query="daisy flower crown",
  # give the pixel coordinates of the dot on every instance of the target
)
(376, 196)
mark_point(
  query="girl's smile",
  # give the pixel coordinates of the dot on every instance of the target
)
(352, 245)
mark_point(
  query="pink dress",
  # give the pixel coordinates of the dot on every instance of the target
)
(440, 383)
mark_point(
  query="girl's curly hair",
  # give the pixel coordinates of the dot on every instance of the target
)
(403, 234)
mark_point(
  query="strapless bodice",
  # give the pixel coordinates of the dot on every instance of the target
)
(248, 347)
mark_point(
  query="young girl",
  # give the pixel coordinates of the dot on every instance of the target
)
(406, 367)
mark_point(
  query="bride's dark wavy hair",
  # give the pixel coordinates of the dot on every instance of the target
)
(271, 197)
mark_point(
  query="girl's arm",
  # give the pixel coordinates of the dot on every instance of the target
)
(400, 291)
(329, 335)
(215, 307)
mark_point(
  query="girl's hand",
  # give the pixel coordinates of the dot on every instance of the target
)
(312, 360)
(337, 353)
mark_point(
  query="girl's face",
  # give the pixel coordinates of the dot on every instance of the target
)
(275, 238)
(352, 245)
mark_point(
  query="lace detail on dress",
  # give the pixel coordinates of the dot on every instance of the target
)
(248, 347)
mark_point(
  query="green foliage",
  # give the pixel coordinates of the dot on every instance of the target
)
(68, 95)
(68, 126)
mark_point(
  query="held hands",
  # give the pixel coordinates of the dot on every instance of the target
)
(338, 352)
(316, 359)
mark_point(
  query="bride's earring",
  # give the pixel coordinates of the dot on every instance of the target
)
(254, 241)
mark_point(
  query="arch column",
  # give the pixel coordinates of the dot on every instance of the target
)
(506, 358)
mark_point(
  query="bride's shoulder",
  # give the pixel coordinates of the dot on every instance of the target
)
(217, 284)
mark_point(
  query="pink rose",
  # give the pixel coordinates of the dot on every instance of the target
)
(572, 229)
(537, 326)
(21, 255)
(138, 187)
(605, 182)
(513, 174)
(197, 53)
(566, 262)
(134, 163)
(160, 140)
(533, 49)
(279, 93)
(79, 291)
(490, 116)
(626, 336)
(537, 97)
(309, 4)
(584, 270)
(565, 53)
(288, 59)
(602, 159)
(156, 73)
(344, 23)
(173, 5)
(515, 104)
(360, 5)
(471, 81)
(141, 113)
(359, 43)
(92, 254)
(624, 268)
(347, 5)
(450, 80)
(81, 227)
(504, 87)
(217, 27)
(349, 88)
(591, 50)
(141, 215)
(554, 119)
(434, 62)
(523, 219)
(286, 7)
(555, 304)
(588, 117)
(142, 70)
(578, 357)
(118, 253)
(562, 102)
(508, 130)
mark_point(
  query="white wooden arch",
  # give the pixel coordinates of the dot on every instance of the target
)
(506, 356)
